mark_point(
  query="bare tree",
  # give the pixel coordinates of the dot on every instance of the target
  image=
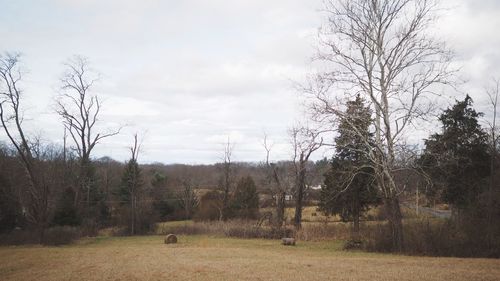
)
(187, 198)
(381, 50)
(131, 184)
(493, 91)
(305, 141)
(79, 110)
(226, 181)
(11, 117)
(277, 177)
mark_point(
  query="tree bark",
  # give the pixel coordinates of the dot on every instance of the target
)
(355, 224)
(299, 196)
(280, 209)
(395, 220)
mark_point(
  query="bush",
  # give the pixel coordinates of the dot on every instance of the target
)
(434, 237)
(322, 231)
(145, 221)
(234, 228)
(209, 207)
(58, 235)
(19, 237)
(61, 235)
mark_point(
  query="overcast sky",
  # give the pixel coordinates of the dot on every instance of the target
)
(188, 74)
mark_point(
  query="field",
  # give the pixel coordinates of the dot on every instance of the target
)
(211, 258)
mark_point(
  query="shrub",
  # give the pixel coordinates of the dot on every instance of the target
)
(19, 237)
(322, 231)
(209, 207)
(233, 228)
(61, 235)
(58, 235)
(434, 237)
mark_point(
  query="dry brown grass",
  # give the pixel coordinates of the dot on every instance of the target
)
(208, 258)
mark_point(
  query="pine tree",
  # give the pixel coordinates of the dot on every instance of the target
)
(457, 159)
(66, 212)
(348, 189)
(245, 201)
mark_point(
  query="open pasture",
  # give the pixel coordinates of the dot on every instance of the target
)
(212, 258)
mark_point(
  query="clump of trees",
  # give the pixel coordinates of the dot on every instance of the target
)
(458, 162)
(43, 185)
(380, 50)
(243, 203)
(457, 159)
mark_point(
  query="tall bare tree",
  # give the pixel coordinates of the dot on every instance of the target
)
(227, 179)
(381, 50)
(277, 176)
(187, 198)
(131, 185)
(11, 117)
(493, 92)
(305, 141)
(79, 110)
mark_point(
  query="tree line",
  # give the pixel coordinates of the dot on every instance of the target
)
(45, 185)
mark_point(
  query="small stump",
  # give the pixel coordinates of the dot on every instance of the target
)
(288, 241)
(171, 239)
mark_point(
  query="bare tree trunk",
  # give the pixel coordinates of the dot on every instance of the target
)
(280, 208)
(134, 202)
(227, 180)
(305, 141)
(299, 196)
(395, 221)
(355, 235)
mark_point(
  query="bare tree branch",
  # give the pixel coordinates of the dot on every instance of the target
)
(79, 110)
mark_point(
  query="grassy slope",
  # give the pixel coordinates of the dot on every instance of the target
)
(209, 258)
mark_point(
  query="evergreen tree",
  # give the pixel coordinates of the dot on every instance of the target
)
(245, 201)
(348, 189)
(66, 212)
(161, 205)
(457, 159)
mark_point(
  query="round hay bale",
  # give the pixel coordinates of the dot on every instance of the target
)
(288, 241)
(171, 239)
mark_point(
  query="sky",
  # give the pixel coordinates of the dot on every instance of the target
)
(188, 75)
